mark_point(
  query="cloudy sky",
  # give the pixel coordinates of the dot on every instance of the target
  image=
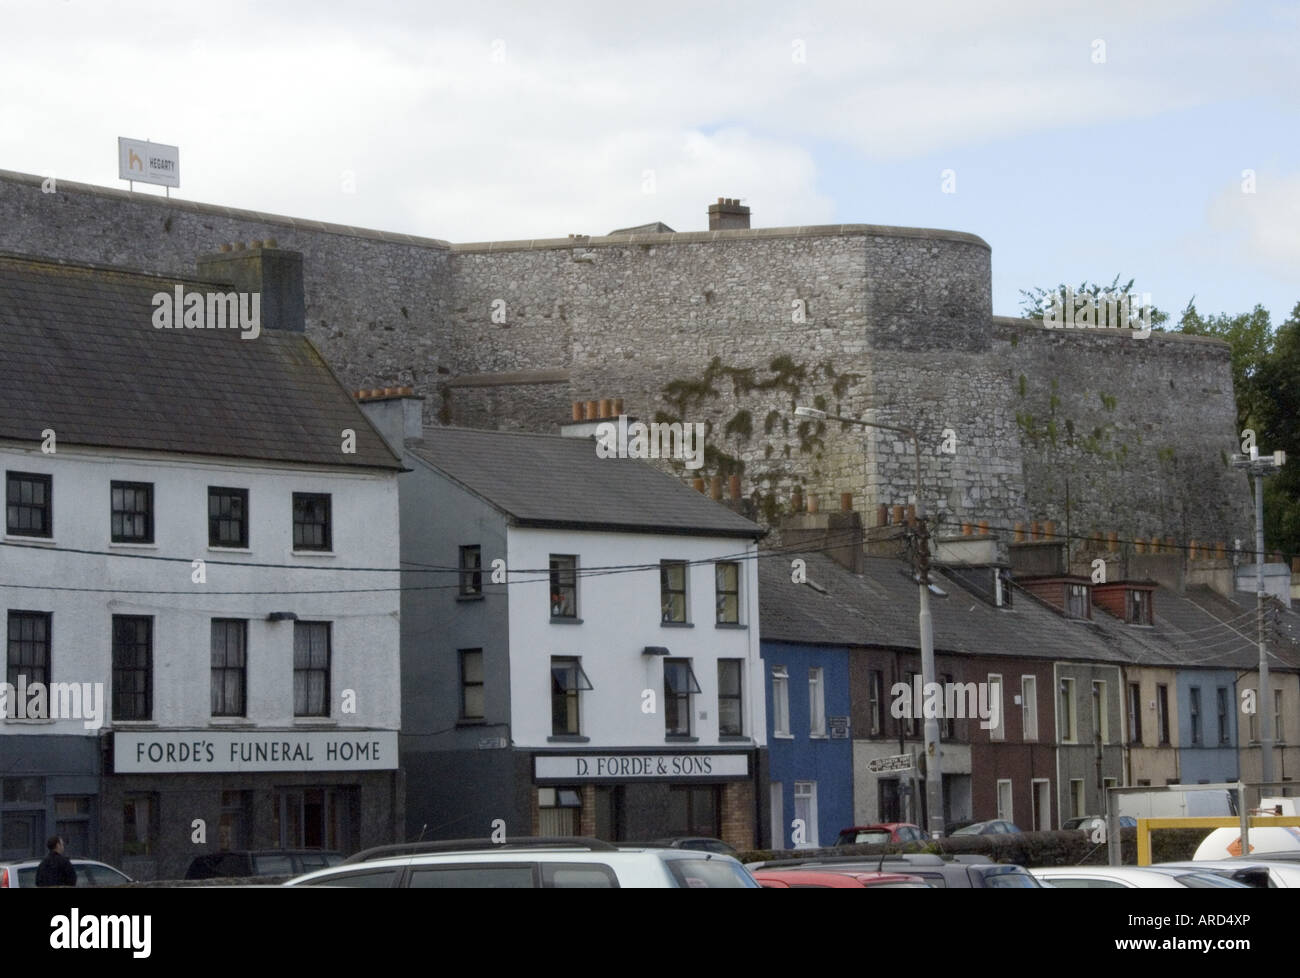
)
(1079, 139)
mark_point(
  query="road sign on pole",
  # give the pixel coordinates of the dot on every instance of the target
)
(895, 762)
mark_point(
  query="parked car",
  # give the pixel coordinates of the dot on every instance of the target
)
(1084, 822)
(700, 843)
(966, 872)
(1130, 878)
(884, 832)
(1259, 871)
(799, 879)
(995, 826)
(22, 874)
(264, 862)
(531, 863)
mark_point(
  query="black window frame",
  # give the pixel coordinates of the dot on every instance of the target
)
(302, 705)
(1194, 712)
(1078, 601)
(221, 671)
(1139, 606)
(667, 593)
(115, 512)
(471, 575)
(564, 580)
(46, 645)
(723, 593)
(677, 701)
(566, 695)
(140, 699)
(220, 519)
(1221, 702)
(46, 509)
(301, 524)
(467, 684)
(738, 697)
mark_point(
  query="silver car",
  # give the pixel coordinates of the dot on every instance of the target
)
(89, 873)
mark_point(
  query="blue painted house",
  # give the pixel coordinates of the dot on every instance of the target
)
(810, 751)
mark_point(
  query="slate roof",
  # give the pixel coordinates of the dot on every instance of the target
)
(879, 608)
(79, 354)
(551, 481)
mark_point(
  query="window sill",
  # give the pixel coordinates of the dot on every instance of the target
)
(676, 624)
(230, 550)
(782, 736)
(819, 736)
(315, 722)
(681, 739)
(735, 739)
(134, 724)
(568, 739)
(32, 720)
(565, 621)
(231, 722)
(469, 597)
(132, 545)
(20, 538)
(734, 625)
(314, 553)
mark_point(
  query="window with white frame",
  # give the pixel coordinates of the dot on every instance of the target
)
(1029, 707)
(780, 701)
(816, 703)
(1004, 800)
(805, 810)
(1100, 712)
(999, 730)
(1067, 722)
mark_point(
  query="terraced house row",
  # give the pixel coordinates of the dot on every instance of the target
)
(1138, 681)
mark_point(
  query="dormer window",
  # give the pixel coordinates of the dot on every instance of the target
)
(1138, 607)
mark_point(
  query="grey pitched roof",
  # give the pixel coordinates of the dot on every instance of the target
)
(1220, 631)
(550, 481)
(879, 608)
(79, 354)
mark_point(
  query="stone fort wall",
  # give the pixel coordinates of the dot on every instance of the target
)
(734, 328)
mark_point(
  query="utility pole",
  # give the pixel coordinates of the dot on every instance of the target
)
(1260, 467)
(933, 757)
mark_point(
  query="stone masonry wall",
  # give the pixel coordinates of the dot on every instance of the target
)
(733, 329)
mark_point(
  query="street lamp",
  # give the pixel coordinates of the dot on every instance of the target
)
(933, 772)
(1260, 467)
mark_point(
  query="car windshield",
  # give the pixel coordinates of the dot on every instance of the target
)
(871, 837)
(710, 873)
(1008, 879)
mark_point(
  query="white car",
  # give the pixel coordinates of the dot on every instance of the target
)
(529, 864)
(22, 874)
(1281, 875)
(1131, 877)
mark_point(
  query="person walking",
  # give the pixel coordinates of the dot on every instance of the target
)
(56, 869)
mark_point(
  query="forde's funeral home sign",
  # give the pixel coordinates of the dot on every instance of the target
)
(627, 767)
(198, 751)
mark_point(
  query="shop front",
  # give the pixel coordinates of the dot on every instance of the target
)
(625, 796)
(174, 795)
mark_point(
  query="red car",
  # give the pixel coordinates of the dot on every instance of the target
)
(884, 832)
(801, 879)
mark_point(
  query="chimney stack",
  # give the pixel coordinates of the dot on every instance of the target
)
(262, 267)
(728, 214)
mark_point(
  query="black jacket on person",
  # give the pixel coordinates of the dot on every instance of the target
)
(56, 869)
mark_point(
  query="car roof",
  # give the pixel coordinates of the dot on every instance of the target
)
(612, 856)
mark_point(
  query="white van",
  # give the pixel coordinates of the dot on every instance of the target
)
(1178, 804)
